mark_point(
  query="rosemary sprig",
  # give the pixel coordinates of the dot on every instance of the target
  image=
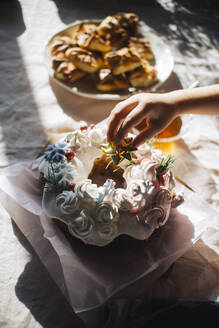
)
(165, 164)
(52, 179)
(51, 175)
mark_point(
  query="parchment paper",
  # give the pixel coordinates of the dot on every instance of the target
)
(91, 274)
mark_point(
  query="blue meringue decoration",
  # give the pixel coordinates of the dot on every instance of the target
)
(56, 153)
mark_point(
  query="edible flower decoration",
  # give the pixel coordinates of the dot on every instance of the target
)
(121, 153)
(56, 153)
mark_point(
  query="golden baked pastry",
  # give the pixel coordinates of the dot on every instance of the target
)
(87, 48)
(121, 61)
(141, 47)
(85, 27)
(108, 82)
(143, 76)
(84, 59)
(59, 46)
(128, 21)
(67, 71)
(87, 37)
(118, 28)
(93, 42)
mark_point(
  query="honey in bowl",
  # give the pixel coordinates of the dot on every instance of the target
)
(171, 131)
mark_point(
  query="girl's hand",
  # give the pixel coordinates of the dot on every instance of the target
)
(157, 110)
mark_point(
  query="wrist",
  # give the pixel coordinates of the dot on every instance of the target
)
(172, 103)
(178, 101)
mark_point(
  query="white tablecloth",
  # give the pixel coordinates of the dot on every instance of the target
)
(34, 111)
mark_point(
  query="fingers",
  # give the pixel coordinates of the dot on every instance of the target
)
(135, 117)
(117, 116)
(145, 134)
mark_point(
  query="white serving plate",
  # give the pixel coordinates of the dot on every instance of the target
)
(86, 86)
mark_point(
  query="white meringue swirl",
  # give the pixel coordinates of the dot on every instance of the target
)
(67, 202)
(78, 140)
(144, 170)
(154, 217)
(81, 226)
(163, 197)
(106, 212)
(96, 137)
(106, 191)
(122, 199)
(107, 230)
(87, 191)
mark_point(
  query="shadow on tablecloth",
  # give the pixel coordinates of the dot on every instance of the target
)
(19, 107)
(36, 289)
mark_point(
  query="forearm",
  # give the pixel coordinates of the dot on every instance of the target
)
(203, 100)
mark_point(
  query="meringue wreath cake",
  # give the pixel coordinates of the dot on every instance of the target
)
(100, 191)
(111, 52)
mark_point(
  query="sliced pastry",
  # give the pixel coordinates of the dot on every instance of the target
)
(122, 61)
(128, 21)
(87, 27)
(108, 82)
(143, 76)
(67, 71)
(141, 47)
(59, 45)
(92, 41)
(86, 37)
(81, 27)
(119, 27)
(84, 59)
